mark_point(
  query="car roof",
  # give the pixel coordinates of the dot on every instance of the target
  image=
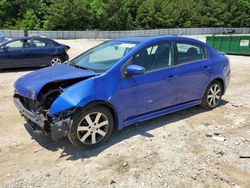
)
(23, 38)
(134, 39)
(29, 37)
(156, 39)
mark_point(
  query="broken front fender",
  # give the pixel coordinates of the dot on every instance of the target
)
(76, 95)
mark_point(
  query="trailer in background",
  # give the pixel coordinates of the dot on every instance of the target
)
(237, 44)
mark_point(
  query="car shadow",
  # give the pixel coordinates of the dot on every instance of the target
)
(72, 153)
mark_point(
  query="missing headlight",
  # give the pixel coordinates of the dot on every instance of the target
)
(62, 115)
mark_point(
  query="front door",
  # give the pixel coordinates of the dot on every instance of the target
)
(12, 55)
(155, 90)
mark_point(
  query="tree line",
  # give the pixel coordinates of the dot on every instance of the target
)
(122, 14)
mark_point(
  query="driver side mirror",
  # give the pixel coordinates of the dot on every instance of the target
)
(135, 70)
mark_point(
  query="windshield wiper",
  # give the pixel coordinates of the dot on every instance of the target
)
(80, 67)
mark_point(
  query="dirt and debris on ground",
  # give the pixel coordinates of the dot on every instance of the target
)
(189, 148)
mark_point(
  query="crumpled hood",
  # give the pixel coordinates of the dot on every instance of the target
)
(31, 84)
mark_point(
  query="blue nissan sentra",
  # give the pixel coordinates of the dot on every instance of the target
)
(121, 82)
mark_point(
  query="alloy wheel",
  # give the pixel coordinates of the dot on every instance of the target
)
(214, 95)
(56, 61)
(92, 128)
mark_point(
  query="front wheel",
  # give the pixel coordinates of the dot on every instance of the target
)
(91, 127)
(212, 96)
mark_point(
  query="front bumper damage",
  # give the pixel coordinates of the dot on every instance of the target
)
(58, 128)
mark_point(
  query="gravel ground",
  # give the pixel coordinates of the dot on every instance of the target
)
(190, 148)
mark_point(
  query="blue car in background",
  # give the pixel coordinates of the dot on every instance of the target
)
(121, 82)
(32, 51)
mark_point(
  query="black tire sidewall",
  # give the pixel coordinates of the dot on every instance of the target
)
(78, 116)
(204, 103)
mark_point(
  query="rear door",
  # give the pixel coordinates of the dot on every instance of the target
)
(193, 69)
(39, 52)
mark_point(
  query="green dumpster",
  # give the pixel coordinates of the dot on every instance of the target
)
(230, 44)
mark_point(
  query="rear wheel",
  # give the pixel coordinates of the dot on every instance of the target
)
(91, 127)
(56, 61)
(212, 96)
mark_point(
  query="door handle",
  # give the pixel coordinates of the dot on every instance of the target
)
(205, 67)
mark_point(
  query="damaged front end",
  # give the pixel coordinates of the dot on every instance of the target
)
(40, 120)
(39, 97)
(36, 111)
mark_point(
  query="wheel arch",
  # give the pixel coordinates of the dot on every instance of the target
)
(107, 105)
(216, 79)
(57, 55)
(221, 82)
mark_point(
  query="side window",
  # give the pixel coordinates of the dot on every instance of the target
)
(16, 44)
(33, 43)
(39, 43)
(156, 57)
(188, 52)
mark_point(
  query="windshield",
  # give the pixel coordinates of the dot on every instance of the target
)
(103, 56)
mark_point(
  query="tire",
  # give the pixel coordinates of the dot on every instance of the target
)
(91, 127)
(56, 61)
(212, 96)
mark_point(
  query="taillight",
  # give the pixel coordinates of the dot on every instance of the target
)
(67, 48)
